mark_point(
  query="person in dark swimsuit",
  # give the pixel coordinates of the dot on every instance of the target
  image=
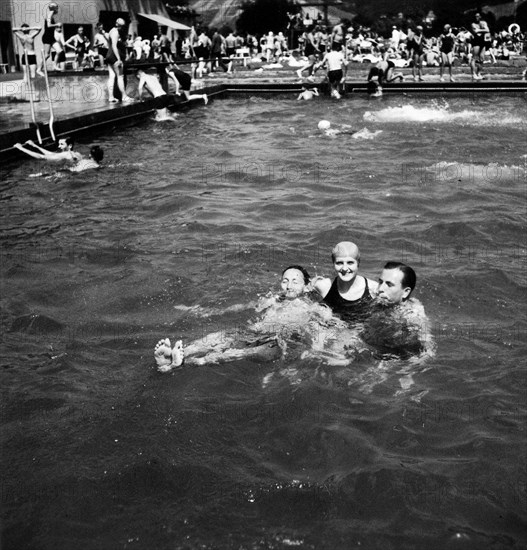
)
(48, 37)
(481, 34)
(416, 49)
(349, 294)
(115, 60)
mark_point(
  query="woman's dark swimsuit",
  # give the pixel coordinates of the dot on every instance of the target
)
(48, 37)
(121, 48)
(349, 310)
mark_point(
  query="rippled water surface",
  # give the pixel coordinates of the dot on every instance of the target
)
(187, 220)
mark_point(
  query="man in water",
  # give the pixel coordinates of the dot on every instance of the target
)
(285, 318)
(308, 94)
(65, 151)
(152, 84)
(398, 324)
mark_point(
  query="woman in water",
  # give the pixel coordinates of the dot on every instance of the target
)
(349, 295)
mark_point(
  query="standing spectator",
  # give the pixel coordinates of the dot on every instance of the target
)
(311, 52)
(27, 36)
(446, 49)
(59, 48)
(481, 34)
(217, 49)
(100, 43)
(416, 50)
(79, 43)
(230, 45)
(48, 37)
(115, 60)
(164, 45)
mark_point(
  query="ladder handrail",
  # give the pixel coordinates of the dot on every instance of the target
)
(30, 86)
(51, 115)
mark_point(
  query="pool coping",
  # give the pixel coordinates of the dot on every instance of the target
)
(126, 114)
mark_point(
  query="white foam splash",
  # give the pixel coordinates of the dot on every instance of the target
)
(440, 113)
(366, 134)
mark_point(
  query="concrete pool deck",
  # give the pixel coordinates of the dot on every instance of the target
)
(79, 99)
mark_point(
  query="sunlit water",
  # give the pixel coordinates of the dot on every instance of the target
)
(184, 227)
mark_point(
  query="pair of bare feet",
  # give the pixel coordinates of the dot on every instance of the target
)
(168, 357)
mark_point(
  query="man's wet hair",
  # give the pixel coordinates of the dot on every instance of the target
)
(69, 141)
(306, 275)
(409, 276)
(97, 154)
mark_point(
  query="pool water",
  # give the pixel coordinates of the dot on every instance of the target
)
(188, 223)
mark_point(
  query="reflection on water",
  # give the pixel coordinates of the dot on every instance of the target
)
(186, 225)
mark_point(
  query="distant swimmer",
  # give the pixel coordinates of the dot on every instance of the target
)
(181, 78)
(287, 319)
(65, 152)
(325, 126)
(162, 99)
(308, 94)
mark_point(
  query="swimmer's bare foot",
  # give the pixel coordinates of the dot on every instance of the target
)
(205, 99)
(166, 357)
(112, 100)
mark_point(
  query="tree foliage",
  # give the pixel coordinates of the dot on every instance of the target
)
(262, 16)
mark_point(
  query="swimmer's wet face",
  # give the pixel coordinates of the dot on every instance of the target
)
(65, 144)
(293, 284)
(346, 260)
(391, 288)
(346, 267)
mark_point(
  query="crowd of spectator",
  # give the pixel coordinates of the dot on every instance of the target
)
(303, 36)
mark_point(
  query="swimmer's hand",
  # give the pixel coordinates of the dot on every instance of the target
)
(167, 357)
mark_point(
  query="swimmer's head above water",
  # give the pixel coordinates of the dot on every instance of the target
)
(295, 280)
(65, 144)
(346, 260)
(96, 153)
(396, 283)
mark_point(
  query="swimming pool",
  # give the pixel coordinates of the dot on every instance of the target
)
(187, 220)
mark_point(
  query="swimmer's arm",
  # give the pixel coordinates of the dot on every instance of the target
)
(20, 147)
(321, 285)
